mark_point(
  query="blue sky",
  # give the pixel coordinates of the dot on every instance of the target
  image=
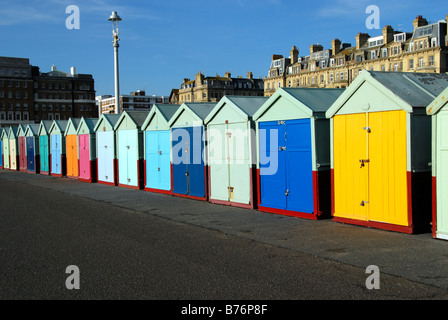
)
(163, 42)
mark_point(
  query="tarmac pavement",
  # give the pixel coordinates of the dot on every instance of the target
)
(419, 258)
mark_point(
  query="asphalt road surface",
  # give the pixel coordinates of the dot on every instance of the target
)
(132, 244)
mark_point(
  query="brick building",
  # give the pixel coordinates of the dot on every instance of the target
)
(29, 96)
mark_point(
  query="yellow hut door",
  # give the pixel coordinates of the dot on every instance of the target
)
(370, 167)
(351, 166)
(388, 167)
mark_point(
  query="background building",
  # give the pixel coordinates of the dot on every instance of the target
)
(137, 100)
(29, 96)
(212, 89)
(422, 50)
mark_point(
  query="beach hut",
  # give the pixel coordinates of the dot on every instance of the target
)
(189, 166)
(2, 132)
(13, 152)
(438, 110)
(87, 149)
(71, 146)
(157, 148)
(57, 148)
(293, 152)
(5, 147)
(130, 148)
(44, 146)
(22, 147)
(32, 148)
(381, 150)
(231, 155)
(106, 156)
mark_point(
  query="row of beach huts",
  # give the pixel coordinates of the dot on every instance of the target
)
(374, 154)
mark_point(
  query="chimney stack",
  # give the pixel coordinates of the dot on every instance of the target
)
(419, 21)
(316, 48)
(361, 39)
(388, 34)
(335, 47)
(250, 75)
(294, 54)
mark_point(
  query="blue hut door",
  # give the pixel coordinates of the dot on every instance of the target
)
(164, 160)
(152, 159)
(30, 153)
(181, 158)
(285, 165)
(56, 148)
(158, 170)
(196, 167)
(299, 177)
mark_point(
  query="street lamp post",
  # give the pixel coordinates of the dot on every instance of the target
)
(115, 19)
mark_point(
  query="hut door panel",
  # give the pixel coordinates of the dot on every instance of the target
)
(272, 164)
(237, 150)
(152, 159)
(84, 156)
(164, 160)
(442, 172)
(30, 153)
(72, 155)
(128, 158)
(106, 156)
(196, 168)
(181, 146)
(43, 149)
(350, 167)
(13, 154)
(218, 163)
(6, 153)
(387, 167)
(56, 148)
(299, 169)
(22, 153)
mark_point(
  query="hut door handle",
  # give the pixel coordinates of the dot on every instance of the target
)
(159, 152)
(363, 161)
(281, 148)
(363, 203)
(158, 169)
(187, 173)
(287, 192)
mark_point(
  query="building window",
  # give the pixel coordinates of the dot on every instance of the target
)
(411, 64)
(384, 52)
(322, 78)
(431, 60)
(18, 116)
(396, 67)
(420, 62)
(331, 77)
